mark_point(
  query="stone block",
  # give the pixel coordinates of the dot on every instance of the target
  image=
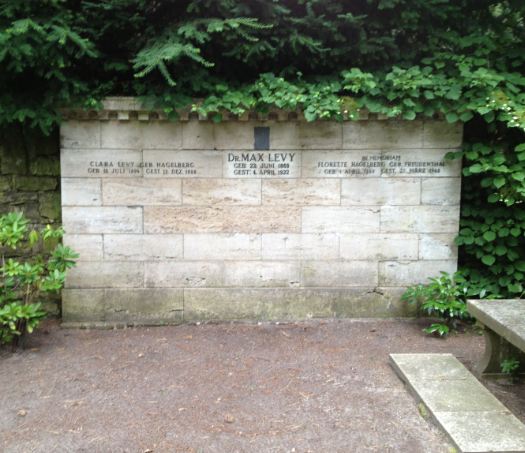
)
(82, 305)
(340, 220)
(396, 273)
(122, 135)
(340, 273)
(262, 273)
(91, 163)
(5, 183)
(93, 220)
(441, 191)
(81, 192)
(198, 135)
(44, 166)
(380, 191)
(262, 164)
(106, 274)
(378, 246)
(440, 134)
(141, 191)
(49, 205)
(389, 134)
(162, 135)
(301, 192)
(424, 163)
(80, 134)
(205, 192)
(236, 246)
(182, 164)
(301, 135)
(221, 219)
(336, 164)
(88, 246)
(234, 135)
(143, 306)
(437, 247)
(34, 183)
(419, 219)
(181, 274)
(13, 162)
(300, 246)
(142, 247)
(286, 303)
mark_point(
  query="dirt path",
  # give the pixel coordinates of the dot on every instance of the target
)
(305, 387)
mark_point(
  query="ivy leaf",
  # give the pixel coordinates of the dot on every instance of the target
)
(451, 117)
(489, 236)
(489, 260)
(499, 181)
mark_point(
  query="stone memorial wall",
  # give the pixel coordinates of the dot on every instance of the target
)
(271, 219)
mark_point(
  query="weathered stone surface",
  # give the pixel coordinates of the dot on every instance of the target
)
(205, 192)
(221, 219)
(93, 163)
(13, 162)
(437, 247)
(143, 306)
(81, 192)
(102, 219)
(235, 246)
(198, 135)
(380, 191)
(340, 273)
(441, 191)
(285, 303)
(34, 183)
(420, 219)
(473, 418)
(106, 274)
(121, 135)
(83, 305)
(234, 135)
(142, 247)
(88, 246)
(49, 205)
(340, 220)
(300, 135)
(262, 273)
(162, 135)
(392, 273)
(382, 134)
(440, 134)
(80, 134)
(182, 164)
(141, 191)
(475, 432)
(379, 246)
(43, 166)
(301, 192)
(179, 274)
(300, 246)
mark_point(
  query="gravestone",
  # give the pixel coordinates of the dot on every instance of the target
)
(252, 218)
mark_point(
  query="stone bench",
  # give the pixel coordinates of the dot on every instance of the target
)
(472, 417)
(504, 330)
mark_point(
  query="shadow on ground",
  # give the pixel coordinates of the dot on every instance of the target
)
(320, 386)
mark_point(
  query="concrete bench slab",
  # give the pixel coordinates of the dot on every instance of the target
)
(472, 417)
(504, 322)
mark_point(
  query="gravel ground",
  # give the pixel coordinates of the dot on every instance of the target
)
(319, 386)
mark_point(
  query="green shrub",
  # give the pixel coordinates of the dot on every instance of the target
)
(23, 282)
(444, 297)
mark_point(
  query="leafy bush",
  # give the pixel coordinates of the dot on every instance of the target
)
(24, 282)
(444, 297)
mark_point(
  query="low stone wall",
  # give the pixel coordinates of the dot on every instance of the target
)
(30, 182)
(254, 219)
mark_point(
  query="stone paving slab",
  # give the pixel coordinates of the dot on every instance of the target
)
(472, 417)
